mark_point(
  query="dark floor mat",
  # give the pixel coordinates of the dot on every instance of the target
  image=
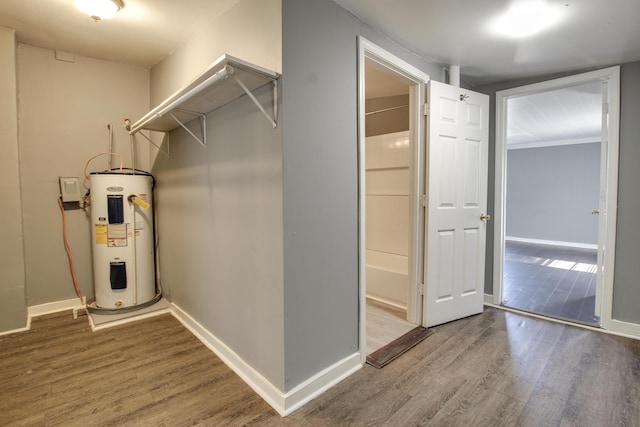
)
(396, 348)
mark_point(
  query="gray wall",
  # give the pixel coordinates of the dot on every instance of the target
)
(220, 231)
(626, 293)
(63, 109)
(551, 192)
(13, 302)
(319, 117)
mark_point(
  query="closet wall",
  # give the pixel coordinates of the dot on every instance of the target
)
(387, 164)
(220, 207)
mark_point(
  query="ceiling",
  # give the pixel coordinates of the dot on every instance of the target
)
(591, 33)
(570, 115)
(141, 34)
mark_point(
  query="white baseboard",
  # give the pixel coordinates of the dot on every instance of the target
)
(283, 403)
(54, 307)
(552, 242)
(615, 327)
(386, 301)
(13, 331)
(625, 329)
(320, 382)
(488, 299)
(48, 308)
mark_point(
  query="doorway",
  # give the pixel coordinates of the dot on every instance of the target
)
(390, 246)
(556, 197)
(387, 151)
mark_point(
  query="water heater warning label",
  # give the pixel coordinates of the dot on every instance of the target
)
(117, 235)
(101, 234)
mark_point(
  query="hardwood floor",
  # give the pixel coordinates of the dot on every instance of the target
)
(496, 368)
(385, 323)
(551, 280)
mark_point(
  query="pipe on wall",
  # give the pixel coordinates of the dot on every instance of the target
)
(454, 75)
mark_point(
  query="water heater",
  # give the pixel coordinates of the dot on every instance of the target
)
(123, 239)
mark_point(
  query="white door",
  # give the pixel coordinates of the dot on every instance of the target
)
(457, 203)
(602, 205)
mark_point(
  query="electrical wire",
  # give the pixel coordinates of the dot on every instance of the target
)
(98, 155)
(68, 249)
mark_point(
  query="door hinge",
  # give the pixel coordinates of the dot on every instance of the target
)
(605, 108)
(420, 288)
(423, 200)
(426, 109)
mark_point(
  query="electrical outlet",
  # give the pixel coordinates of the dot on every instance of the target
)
(70, 189)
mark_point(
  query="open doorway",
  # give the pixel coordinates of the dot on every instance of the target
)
(556, 191)
(553, 188)
(390, 180)
(387, 161)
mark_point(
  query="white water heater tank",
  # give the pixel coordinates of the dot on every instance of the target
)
(123, 239)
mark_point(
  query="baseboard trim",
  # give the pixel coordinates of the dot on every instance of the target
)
(271, 394)
(74, 304)
(616, 327)
(386, 301)
(14, 331)
(625, 329)
(283, 403)
(321, 382)
(488, 299)
(552, 242)
(54, 307)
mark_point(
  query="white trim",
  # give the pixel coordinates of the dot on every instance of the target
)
(556, 143)
(54, 307)
(488, 300)
(283, 403)
(417, 98)
(612, 76)
(552, 242)
(319, 383)
(624, 329)
(74, 304)
(132, 318)
(15, 331)
(387, 302)
(621, 329)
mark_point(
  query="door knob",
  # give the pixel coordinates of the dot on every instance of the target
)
(485, 217)
(595, 212)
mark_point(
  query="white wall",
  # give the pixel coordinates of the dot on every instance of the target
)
(251, 30)
(387, 158)
(13, 307)
(63, 112)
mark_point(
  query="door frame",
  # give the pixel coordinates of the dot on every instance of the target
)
(417, 98)
(612, 77)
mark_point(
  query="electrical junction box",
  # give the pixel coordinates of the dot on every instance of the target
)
(70, 189)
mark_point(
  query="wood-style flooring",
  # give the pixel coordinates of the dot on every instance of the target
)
(385, 323)
(551, 280)
(494, 369)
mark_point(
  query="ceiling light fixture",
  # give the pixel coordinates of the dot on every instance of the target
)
(99, 9)
(526, 18)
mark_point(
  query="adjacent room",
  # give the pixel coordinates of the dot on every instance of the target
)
(553, 201)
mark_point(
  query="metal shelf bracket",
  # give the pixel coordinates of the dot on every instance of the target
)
(272, 120)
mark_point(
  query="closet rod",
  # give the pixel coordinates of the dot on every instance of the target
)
(384, 110)
(225, 72)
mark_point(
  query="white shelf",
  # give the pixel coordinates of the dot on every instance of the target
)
(227, 79)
